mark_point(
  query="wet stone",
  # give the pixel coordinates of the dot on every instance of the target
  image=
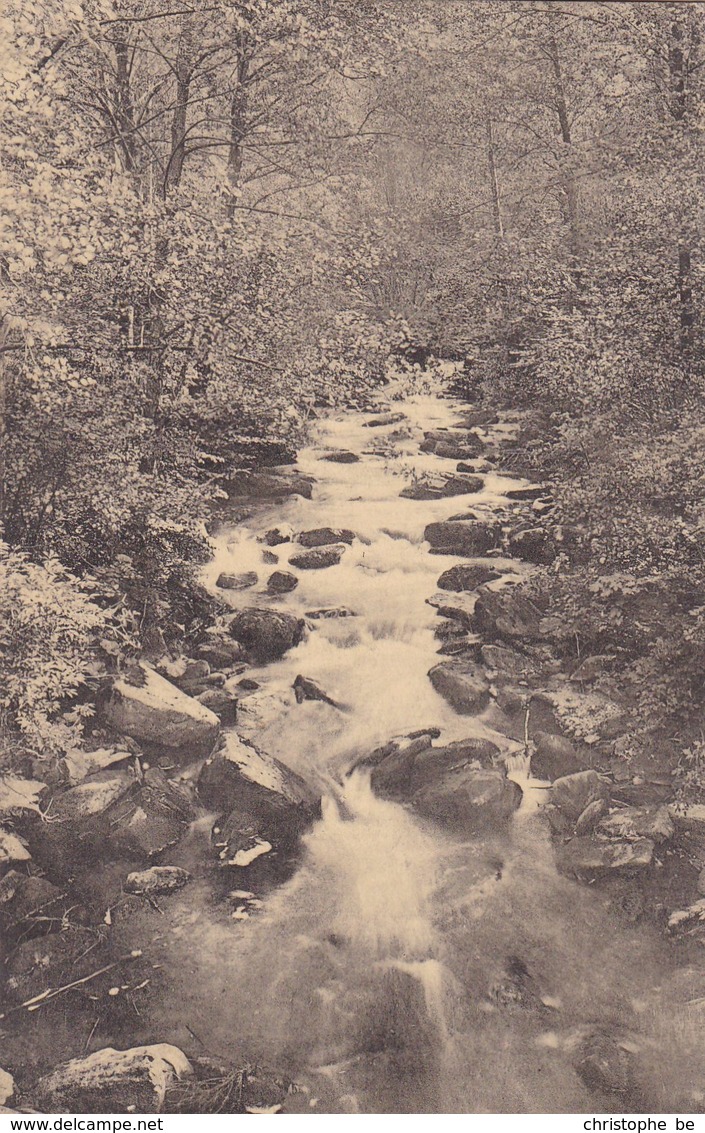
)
(319, 557)
(341, 457)
(466, 576)
(267, 634)
(282, 582)
(226, 581)
(324, 536)
(157, 880)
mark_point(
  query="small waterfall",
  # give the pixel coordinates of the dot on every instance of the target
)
(384, 867)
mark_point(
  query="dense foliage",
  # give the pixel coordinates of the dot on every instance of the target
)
(220, 216)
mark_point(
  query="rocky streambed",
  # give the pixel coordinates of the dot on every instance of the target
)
(352, 855)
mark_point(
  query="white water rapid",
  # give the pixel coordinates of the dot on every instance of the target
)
(381, 974)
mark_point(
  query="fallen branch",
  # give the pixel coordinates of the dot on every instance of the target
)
(44, 997)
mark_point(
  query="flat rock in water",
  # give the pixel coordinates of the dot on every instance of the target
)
(319, 557)
(115, 1081)
(267, 634)
(341, 457)
(264, 486)
(457, 606)
(158, 879)
(384, 419)
(443, 488)
(324, 536)
(226, 581)
(331, 612)
(463, 537)
(462, 683)
(572, 793)
(467, 576)
(590, 857)
(158, 712)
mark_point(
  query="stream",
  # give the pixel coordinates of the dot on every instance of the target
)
(383, 974)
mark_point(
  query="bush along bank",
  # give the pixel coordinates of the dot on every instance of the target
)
(115, 750)
(596, 660)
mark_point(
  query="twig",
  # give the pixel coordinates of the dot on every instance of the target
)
(38, 1001)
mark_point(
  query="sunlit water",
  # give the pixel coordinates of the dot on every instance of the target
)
(369, 975)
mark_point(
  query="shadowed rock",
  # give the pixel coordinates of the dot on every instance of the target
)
(267, 634)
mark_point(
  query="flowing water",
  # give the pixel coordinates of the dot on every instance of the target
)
(383, 974)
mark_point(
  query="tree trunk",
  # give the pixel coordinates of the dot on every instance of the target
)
(570, 186)
(124, 111)
(494, 183)
(238, 115)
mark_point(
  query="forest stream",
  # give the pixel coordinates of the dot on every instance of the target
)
(403, 968)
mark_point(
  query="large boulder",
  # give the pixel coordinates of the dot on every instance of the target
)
(404, 766)
(324, 536)
(111, 812)
(554, 757)
(462, 683)
(469, 799)
(508, 615)
(466, 576)
(634, 822)
(318, 557)
(462, 785)
(463, 537)
(592, 857)
(263, 803)
(266, 634)
(158, 712)
(115, 1081)
(572, 793)
(454, 445)
(267, 486)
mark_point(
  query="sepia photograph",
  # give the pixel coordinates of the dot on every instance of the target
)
(352, 560)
